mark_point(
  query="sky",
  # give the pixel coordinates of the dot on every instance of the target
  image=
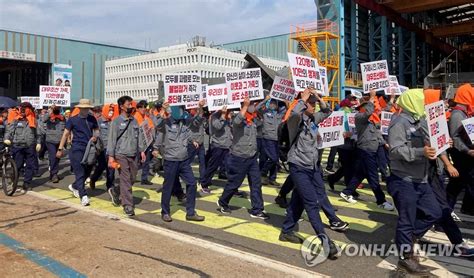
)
(147, 24)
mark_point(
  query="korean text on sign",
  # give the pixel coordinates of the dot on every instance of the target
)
(469, 127)
(437, 126)
(305, 73)
(282, 89)
(385, 120)
(203, 96)
(59, 96)
(182, 88)
(148, 133)
(35, 101)
(394, 86)
(375, 75)
(217, 98)
(331, 130)
(244, 83)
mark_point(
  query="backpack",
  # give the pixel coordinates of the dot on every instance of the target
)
(288, 132)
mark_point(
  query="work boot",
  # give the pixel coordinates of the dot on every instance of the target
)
(412, 265)
(181, 197)
(290, 237)
(195, 217)
(92, 184)
(166, 217)
(55, 179)
(129, 211)
(281, 201)
(274, 183)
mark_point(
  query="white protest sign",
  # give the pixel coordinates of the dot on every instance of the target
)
(385, 120)
(203, 96)
(35, 101)
(375, 75)
(244, 83)
(182, 88)
(305, 73)
(282, 89)
(59, 96)
(324, 78)
(394, 86)
(403, 88)
(351, 120)
(148, 133)
(331, 130)
(469, 127)
(437, 126)
(217, 98)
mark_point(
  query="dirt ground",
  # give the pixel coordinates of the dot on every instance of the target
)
(99, 247)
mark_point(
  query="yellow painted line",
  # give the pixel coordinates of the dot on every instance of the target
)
(96, 203)
(335, 200)
(363, 225)
(237, 226)
(245, 228)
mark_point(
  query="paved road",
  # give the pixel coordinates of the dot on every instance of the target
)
(368, 224)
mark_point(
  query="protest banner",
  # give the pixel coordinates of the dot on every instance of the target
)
(351, 120)
(148, 133)
(182, 88)
(195, 105)
(282, 89)
(324, 79)
(331, 131)
(469, 127)
(35, 101)
(385, 120)
(62, 75)
(59, 96)
(244, 83)
(305, 73)
(351, 124)
(437, 126)
(394, 86)
(375, 76)
(217, 98)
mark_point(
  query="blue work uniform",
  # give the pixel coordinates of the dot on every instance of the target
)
(417, 206)
(82, 130)
(243, 162)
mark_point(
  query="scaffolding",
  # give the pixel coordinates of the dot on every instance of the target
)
(320, 39)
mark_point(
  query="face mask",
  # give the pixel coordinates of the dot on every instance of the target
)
(251, 109)
(56, 111)
(177, 113)
(129, 110)
(111, 113)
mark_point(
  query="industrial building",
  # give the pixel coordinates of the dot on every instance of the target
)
(28, 60)
(139, 76)
(413, 36)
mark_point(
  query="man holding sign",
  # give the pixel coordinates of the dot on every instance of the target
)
(369, 139)
(463, 149)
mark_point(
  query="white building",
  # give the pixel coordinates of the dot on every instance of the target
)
(138, 76)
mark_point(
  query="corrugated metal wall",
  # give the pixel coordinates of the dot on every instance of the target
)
(87, 59)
